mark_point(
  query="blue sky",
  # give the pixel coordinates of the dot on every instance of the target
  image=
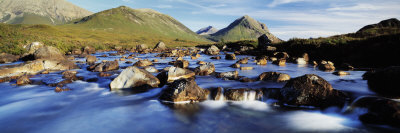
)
(285, 18)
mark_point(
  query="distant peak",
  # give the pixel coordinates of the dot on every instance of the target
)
(147, 10)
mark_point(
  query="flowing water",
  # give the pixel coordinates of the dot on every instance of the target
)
(91, 107)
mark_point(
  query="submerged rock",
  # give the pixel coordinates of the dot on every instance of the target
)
(143, 63)
(326, 66)
(184, 90)
(381, 111)
(312, 90)
(104, 66)
(384, 81)
(213, 50)
(243, 61)
(205, 69)
(274, 76)
(341, 73)
(134, 78)
(236, 65)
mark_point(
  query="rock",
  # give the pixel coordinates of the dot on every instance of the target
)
(263, 42)
(312, 90)
(243, 94)
(246, 68)
(216, 57)
(196, 55)
(7, 58)
(270, 49)
(160, 46)
(76, 52)
(104, 55)
(118, 48)
(141, 47)
(201, 62)
(280, 62)
(155, 60)
(181, 63)
(233, 75)
(213, 50)
(23, 80)
(230, 57)
(151, 69)
(274, 76)
(184, 90)
(217, 94)
(48, 52)
(122, 59)
(346, 67)
(243, 61)
(341, 73)
(35, 67)
(71, 75)
(205, 69)
(91, 60)
(384, 81)
(261, 62)
(104, 66)
(305, 57)
(193, 57)
(236, 65)
(175, 73)
(59, 89)
(326, 66)
(301, 61)
(89, 50)
(143, 63)
(380, 110)
(31, 48)
(281, 55)
(134, 78)
(128, 62)
(245, 79)
(102, 74)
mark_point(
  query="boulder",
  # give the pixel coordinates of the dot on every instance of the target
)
(175, 73)
(48, 52)
(261, 61)
(201, 62)
(160, 46)
(143, 63)
(59, 89)
(76, 52)
(274, 76)
(230, 57)
(384, 81)
(213, 50)
(280, 62)
(103, 74)
(23, 80)
(91, 60)
(243, 94)
(31, 48)
(35, 67)
(141, 47)
(88, 50)
(243, 61)
(326, 66)
(205, 69)
(181, 63)
(104, 66)
(151, 69)
(7, 58)
(281, 55)
(71, 75)
(301, 61)
(184, 90)
(312, 90)
(134, 78)
(380, 110)
(217, 94)
(233, 75)
(264, 41)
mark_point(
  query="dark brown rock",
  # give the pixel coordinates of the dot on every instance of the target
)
(184, 90)
(104, 66)
(274, 76)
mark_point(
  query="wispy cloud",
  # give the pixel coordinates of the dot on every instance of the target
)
(164, 6)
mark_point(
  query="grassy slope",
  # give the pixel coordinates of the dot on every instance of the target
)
(102, 32)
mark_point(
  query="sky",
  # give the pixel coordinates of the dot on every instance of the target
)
(284, 18)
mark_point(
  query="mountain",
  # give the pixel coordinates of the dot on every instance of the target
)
(207, 30)
(39, 11)
(389, 26)
(140, 22)
(244, 28)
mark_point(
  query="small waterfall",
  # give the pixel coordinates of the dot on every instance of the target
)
(245, 96)
(221, 95)
(252, 96)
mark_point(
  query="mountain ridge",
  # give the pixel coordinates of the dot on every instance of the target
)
(207, 30)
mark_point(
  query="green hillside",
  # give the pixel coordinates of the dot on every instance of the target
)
(121, 26)
(244, 28)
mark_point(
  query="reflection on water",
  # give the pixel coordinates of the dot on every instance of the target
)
(91, 107)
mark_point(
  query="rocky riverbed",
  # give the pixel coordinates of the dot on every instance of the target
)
(187, 90)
